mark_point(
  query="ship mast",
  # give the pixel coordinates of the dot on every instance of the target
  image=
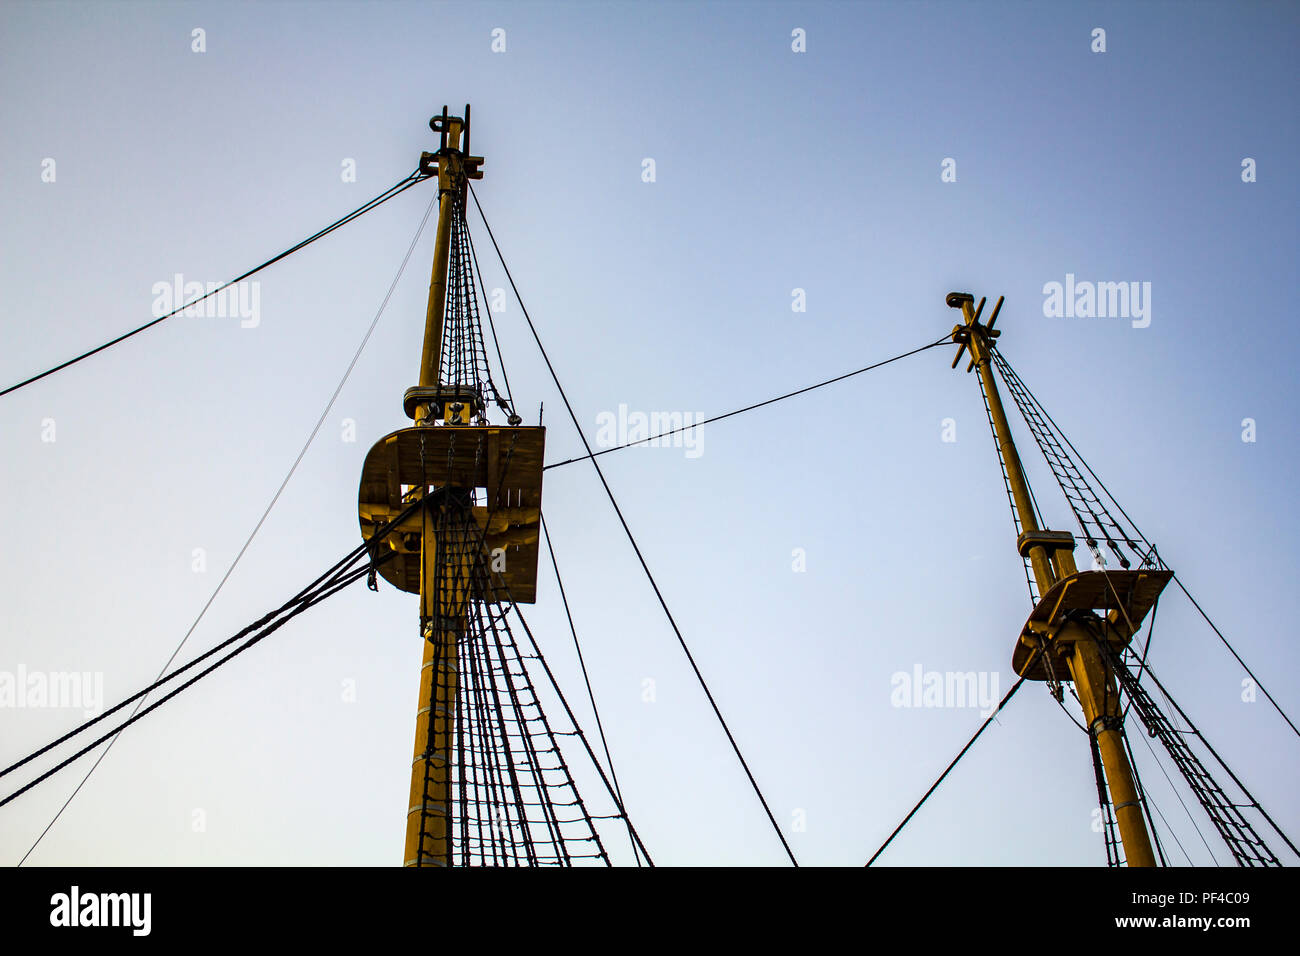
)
(453, 502)
(442, 616)
(1055, 640)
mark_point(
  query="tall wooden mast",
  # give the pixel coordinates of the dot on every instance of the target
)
(442, 609)
(471, 545)
(1053, 641)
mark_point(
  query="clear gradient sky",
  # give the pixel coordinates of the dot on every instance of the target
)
(775, 170)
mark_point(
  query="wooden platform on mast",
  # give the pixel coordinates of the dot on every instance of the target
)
(1119, 596)
(504, 463)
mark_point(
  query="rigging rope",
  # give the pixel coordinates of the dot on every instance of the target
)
(591, 694)
(947, 770)
(504, 770)
(946, 340)
(1242, 840)
(395, 190)
(1233, 652)
(320, 421)
(465, 362)
(537, 655)
(338, 577)
(1011, 501)
(1183, 803)
(502, 767)
(487, 309)
(555, 685)
(1098, 522)
(631, 538)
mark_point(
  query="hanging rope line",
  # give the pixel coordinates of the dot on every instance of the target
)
(302, 452)
(582, 663)
(1233, 651)
(947, 770)
(631, 538)
(395, 190)
(343, 573)
(946, 340)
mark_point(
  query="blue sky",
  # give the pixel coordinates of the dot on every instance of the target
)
(775, 171)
